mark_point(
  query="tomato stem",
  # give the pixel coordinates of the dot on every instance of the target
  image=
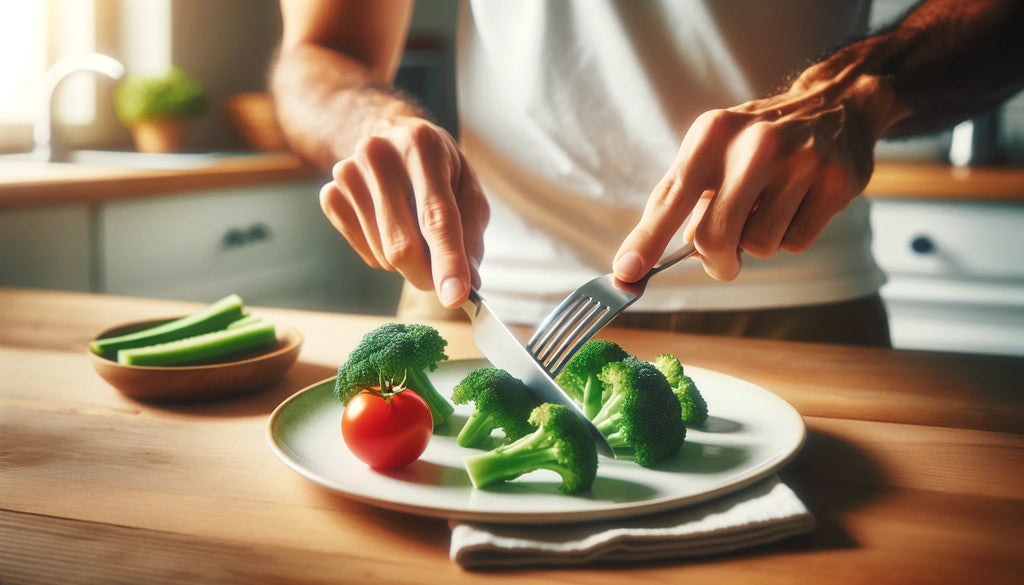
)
(385, 388)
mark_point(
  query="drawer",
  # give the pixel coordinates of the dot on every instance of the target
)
(949, 239)
(961, 316)
(46, 247)
(157, 246)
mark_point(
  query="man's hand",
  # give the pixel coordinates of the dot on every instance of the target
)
(768, 175)
(407, 201)
(764, 176)
(402, 194)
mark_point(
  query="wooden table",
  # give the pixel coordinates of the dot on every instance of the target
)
(913, 467)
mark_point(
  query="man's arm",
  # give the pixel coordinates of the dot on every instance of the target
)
(402, 193)
(945, 61)
(949, 60)
(331, 78)
(768, 175)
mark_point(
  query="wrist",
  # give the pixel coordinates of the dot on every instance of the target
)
(843, 80)
(392, 113)
(878, 102)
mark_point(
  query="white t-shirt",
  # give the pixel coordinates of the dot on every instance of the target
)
(570, 112)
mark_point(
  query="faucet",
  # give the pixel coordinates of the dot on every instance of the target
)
(47, 147)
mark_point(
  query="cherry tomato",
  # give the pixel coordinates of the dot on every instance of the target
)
(387, 428)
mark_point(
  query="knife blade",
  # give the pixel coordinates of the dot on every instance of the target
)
(504, 351)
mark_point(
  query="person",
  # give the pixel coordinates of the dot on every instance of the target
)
(597, 135)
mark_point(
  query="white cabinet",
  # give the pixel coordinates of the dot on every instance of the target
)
(955, 273)
(203, 245)
(46, 247)
(269, 244)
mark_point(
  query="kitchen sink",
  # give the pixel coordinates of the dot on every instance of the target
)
(129, 159)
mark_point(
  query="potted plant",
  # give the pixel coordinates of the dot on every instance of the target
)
(158, 109)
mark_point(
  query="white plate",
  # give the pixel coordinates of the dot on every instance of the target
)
(750, 434)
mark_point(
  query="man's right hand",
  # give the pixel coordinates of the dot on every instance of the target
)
(407, 201)
(402, 194)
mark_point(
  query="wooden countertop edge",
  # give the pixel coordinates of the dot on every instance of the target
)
(891, 180)
(96, 184)
(944, 182)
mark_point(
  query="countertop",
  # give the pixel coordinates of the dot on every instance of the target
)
(33, 184)
(913, 467)
(29, 184)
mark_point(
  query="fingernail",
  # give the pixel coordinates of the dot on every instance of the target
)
(629, 267)
(451, 291)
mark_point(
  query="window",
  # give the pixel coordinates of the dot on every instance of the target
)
(33, 35)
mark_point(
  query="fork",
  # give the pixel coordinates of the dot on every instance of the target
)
(588, 309)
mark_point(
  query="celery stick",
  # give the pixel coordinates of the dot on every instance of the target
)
(211, 318)
(204, 347)
(246, 320)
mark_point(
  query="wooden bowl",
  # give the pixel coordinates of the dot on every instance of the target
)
(242, 375)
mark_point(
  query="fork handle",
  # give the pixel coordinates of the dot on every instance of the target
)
(671, 260)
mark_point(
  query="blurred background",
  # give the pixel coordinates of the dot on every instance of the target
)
(226, 44)
(205, 242)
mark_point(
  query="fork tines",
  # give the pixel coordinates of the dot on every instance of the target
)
(565, 331)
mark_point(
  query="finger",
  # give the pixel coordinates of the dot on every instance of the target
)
(774, 212)
(434, 170)
(349, 175)
(388, 183)
(829, 194)
(338, 209)
(476, 214)
(717, 236)
(697, 214)
(675, 195)
(661, 218)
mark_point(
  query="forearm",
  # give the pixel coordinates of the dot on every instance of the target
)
(946, 61)
(326, 102)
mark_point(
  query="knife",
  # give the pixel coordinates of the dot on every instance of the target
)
(504, 351)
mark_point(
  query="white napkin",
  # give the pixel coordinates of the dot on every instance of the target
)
(765, 512)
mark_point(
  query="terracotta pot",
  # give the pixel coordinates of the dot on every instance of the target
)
(160, 134)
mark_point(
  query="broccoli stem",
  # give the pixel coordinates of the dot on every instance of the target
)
(477, 428)
(503, 463)
(592, 396)
(440, 408)
(607, 418)
(618, 443)
(607, 422)
(609, 427)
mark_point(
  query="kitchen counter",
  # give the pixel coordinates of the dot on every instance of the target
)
(946, 182)
(913, 467)
(32, 184)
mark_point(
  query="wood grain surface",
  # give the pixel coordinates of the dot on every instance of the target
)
(913, 467)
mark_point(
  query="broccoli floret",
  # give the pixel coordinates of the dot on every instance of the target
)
(579, 376)
(397, 352)
(500, 401)
(560, 443)
(640, 417)
(695, 409)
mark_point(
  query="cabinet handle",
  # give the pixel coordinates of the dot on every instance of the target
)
(922, 245)
(234, 238)
(238, 237)
(259, 232)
